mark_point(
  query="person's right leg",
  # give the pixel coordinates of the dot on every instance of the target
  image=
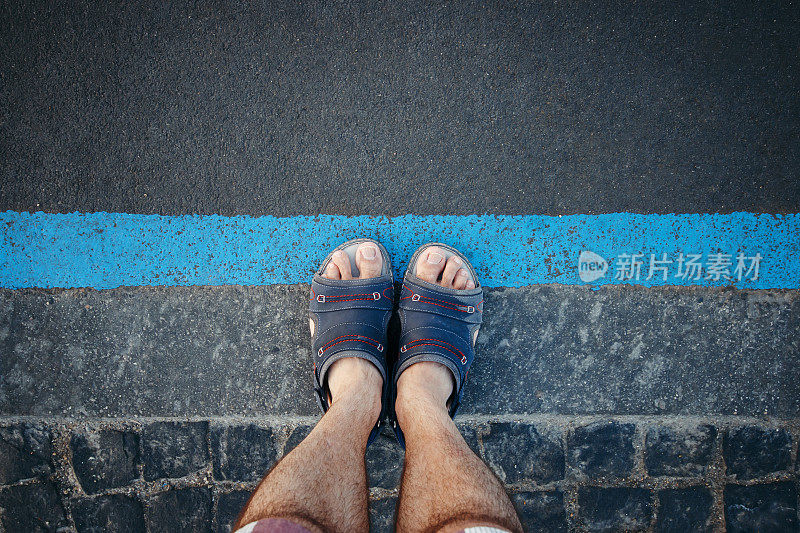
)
(445, 486)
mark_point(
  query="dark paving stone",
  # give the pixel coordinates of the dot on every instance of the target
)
(470, 434)
(684, 510)
(615, 509)
(521, 452)
(679, 451)
(601, 449)
(229, 505)
(174, 449)
(650, 356)
(24, 452)
(666, 107)
(381, 515)
(385, 461)
(242, 452)
(541, 511)
(751, 452)
(105, 458)
(763, 508)
(34, 507)
(108, 514)
(180, 510)
(297, 435)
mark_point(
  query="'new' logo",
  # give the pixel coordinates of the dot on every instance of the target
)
(591, 266)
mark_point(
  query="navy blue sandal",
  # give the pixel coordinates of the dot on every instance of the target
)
(349, 320)
(437, 324)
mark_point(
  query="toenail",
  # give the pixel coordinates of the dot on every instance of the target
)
(368, 252)
(456, 260)
(470, 285)
(462, 273)
(435, 258)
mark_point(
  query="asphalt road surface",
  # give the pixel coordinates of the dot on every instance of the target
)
(392, 108)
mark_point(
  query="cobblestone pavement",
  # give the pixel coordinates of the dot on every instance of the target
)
(564, 473)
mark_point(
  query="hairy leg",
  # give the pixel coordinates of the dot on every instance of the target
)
(445, 486)
(322, 483)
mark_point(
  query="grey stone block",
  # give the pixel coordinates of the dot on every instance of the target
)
(382, 515)
(751, 452)
(108, 514)
(35, 507)
(181, 510)
(157, 351)
(764, 508)
(229, 506)
(627, 350)
(522, 452)
(679, 451)
(541, 511)
(24, 452)
(615, 509)
(242, 452)
(684, 510)
(105, 458)
(174, 449)
(186, 351)
(601, 450)
(384, 460)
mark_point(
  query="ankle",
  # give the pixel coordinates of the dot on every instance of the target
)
(360, 398)
(423, 392)
(426, 382)
(355, 389)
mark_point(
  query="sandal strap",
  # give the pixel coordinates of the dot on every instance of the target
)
(336, 295)
(467, 308)
(357, 328)
(437, 326)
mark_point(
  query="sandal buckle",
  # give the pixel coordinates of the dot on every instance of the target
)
(464, 360)
(376, 295)
(319, 353)
(415, 298)
(380, 347)
(470, 309)
(321, 298)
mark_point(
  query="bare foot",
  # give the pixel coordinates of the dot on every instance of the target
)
(426, 381)
(352, 376)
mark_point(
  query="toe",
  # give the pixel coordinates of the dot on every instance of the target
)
(332, 271)
(460, 281)
(450, 269)
(369, 260)
(470, 285)
(430, 264)
(343, 262)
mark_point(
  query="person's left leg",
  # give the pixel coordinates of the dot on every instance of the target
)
(322, 484)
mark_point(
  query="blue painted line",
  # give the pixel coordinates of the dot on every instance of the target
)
(107, 250)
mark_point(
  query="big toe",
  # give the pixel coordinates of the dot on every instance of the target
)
(369, 260)
(430, 264)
